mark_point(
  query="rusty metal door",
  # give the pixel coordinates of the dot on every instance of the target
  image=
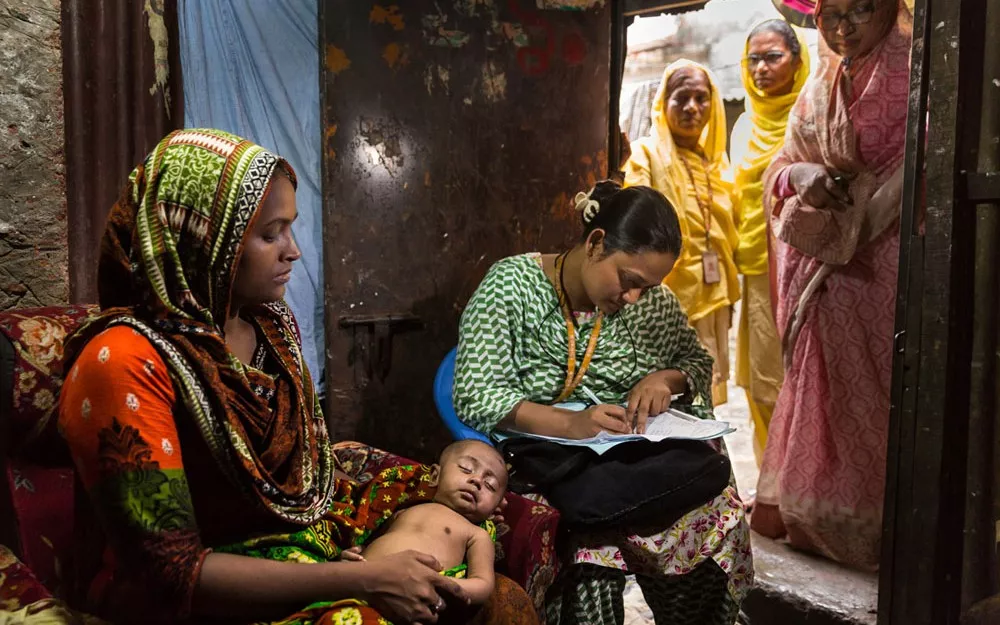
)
(456, 133)
(940, 538)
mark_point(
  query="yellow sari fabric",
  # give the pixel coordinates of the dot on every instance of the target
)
(656, 161)
(757, 137)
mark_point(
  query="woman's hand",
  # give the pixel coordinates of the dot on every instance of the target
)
(591, 421)
(815, 186)
(650, 397)
(406, 587)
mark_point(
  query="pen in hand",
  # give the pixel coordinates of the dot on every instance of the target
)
(635, 415)
(595, 400)
(590, 395)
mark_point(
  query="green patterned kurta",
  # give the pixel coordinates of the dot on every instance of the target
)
(513, 347)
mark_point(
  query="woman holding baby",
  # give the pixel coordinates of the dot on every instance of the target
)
(212, 491)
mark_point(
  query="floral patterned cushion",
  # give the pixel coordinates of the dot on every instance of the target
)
(18, 585)
(37, 335)
(36, 469)
(526, 538)
(23, 599)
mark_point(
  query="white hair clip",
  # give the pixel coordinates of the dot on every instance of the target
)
(587, 206)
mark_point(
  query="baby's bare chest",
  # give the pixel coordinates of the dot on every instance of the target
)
(433, 520)
(440, 533)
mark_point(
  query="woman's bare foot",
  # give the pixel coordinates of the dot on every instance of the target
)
(766, 521)
(799, 540)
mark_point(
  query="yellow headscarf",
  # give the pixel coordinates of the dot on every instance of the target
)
(757, 137)
(657, 162)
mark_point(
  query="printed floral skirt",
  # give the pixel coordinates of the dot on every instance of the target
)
(705, 554)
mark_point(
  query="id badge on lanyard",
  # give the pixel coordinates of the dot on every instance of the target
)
(710, 267)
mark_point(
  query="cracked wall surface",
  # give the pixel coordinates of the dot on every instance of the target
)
(33, 244)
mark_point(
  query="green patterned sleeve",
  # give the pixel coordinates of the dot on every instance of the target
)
(487, 387)
(680, 348)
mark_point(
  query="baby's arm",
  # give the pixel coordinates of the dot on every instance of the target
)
(351, 555)
(479, 554)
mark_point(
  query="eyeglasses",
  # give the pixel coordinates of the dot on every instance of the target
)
(830, 21)
(772, 59)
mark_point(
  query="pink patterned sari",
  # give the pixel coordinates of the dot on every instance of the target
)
(834, 273)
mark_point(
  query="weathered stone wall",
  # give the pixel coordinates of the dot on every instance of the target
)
(33, 244)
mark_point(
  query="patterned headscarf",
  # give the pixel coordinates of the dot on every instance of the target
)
(168, 261)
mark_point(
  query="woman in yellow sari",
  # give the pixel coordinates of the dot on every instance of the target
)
(775, 68)
(685, 159)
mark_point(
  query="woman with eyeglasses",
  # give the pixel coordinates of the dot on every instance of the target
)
(684, 157)
(775, 68)
(833, 197)
(595, 325)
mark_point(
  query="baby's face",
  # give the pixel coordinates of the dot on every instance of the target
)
(472, 481)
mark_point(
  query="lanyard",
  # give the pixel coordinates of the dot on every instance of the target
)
(706, 204)
(574, 377)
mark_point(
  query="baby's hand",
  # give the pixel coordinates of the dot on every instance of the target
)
(340, 475)
(497, 516)
(351, 555)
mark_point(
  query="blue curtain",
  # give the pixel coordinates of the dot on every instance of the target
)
(252, 68)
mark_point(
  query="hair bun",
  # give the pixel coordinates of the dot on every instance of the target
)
(605, 190)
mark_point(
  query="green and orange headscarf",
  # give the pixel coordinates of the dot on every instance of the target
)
(168, 262)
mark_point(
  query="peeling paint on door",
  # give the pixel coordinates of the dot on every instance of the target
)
(436, 75)
(436, 34)
(328, 135)
(596, 168)
(336, 60)
(394, 55)
(471, 7)
(569, 5)
(387, 15)
(494, 82)
(512, 32)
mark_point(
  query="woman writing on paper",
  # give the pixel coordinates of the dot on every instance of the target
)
(540, 329)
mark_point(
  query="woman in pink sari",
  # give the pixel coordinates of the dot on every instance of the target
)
(833, 196)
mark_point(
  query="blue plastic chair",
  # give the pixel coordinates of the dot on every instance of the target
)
(446, 407)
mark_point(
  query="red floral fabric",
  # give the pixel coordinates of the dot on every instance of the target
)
(37, 335)
(18, 585)
(24, 599)
(37, 472)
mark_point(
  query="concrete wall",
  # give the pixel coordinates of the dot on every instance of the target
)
(33, 245)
